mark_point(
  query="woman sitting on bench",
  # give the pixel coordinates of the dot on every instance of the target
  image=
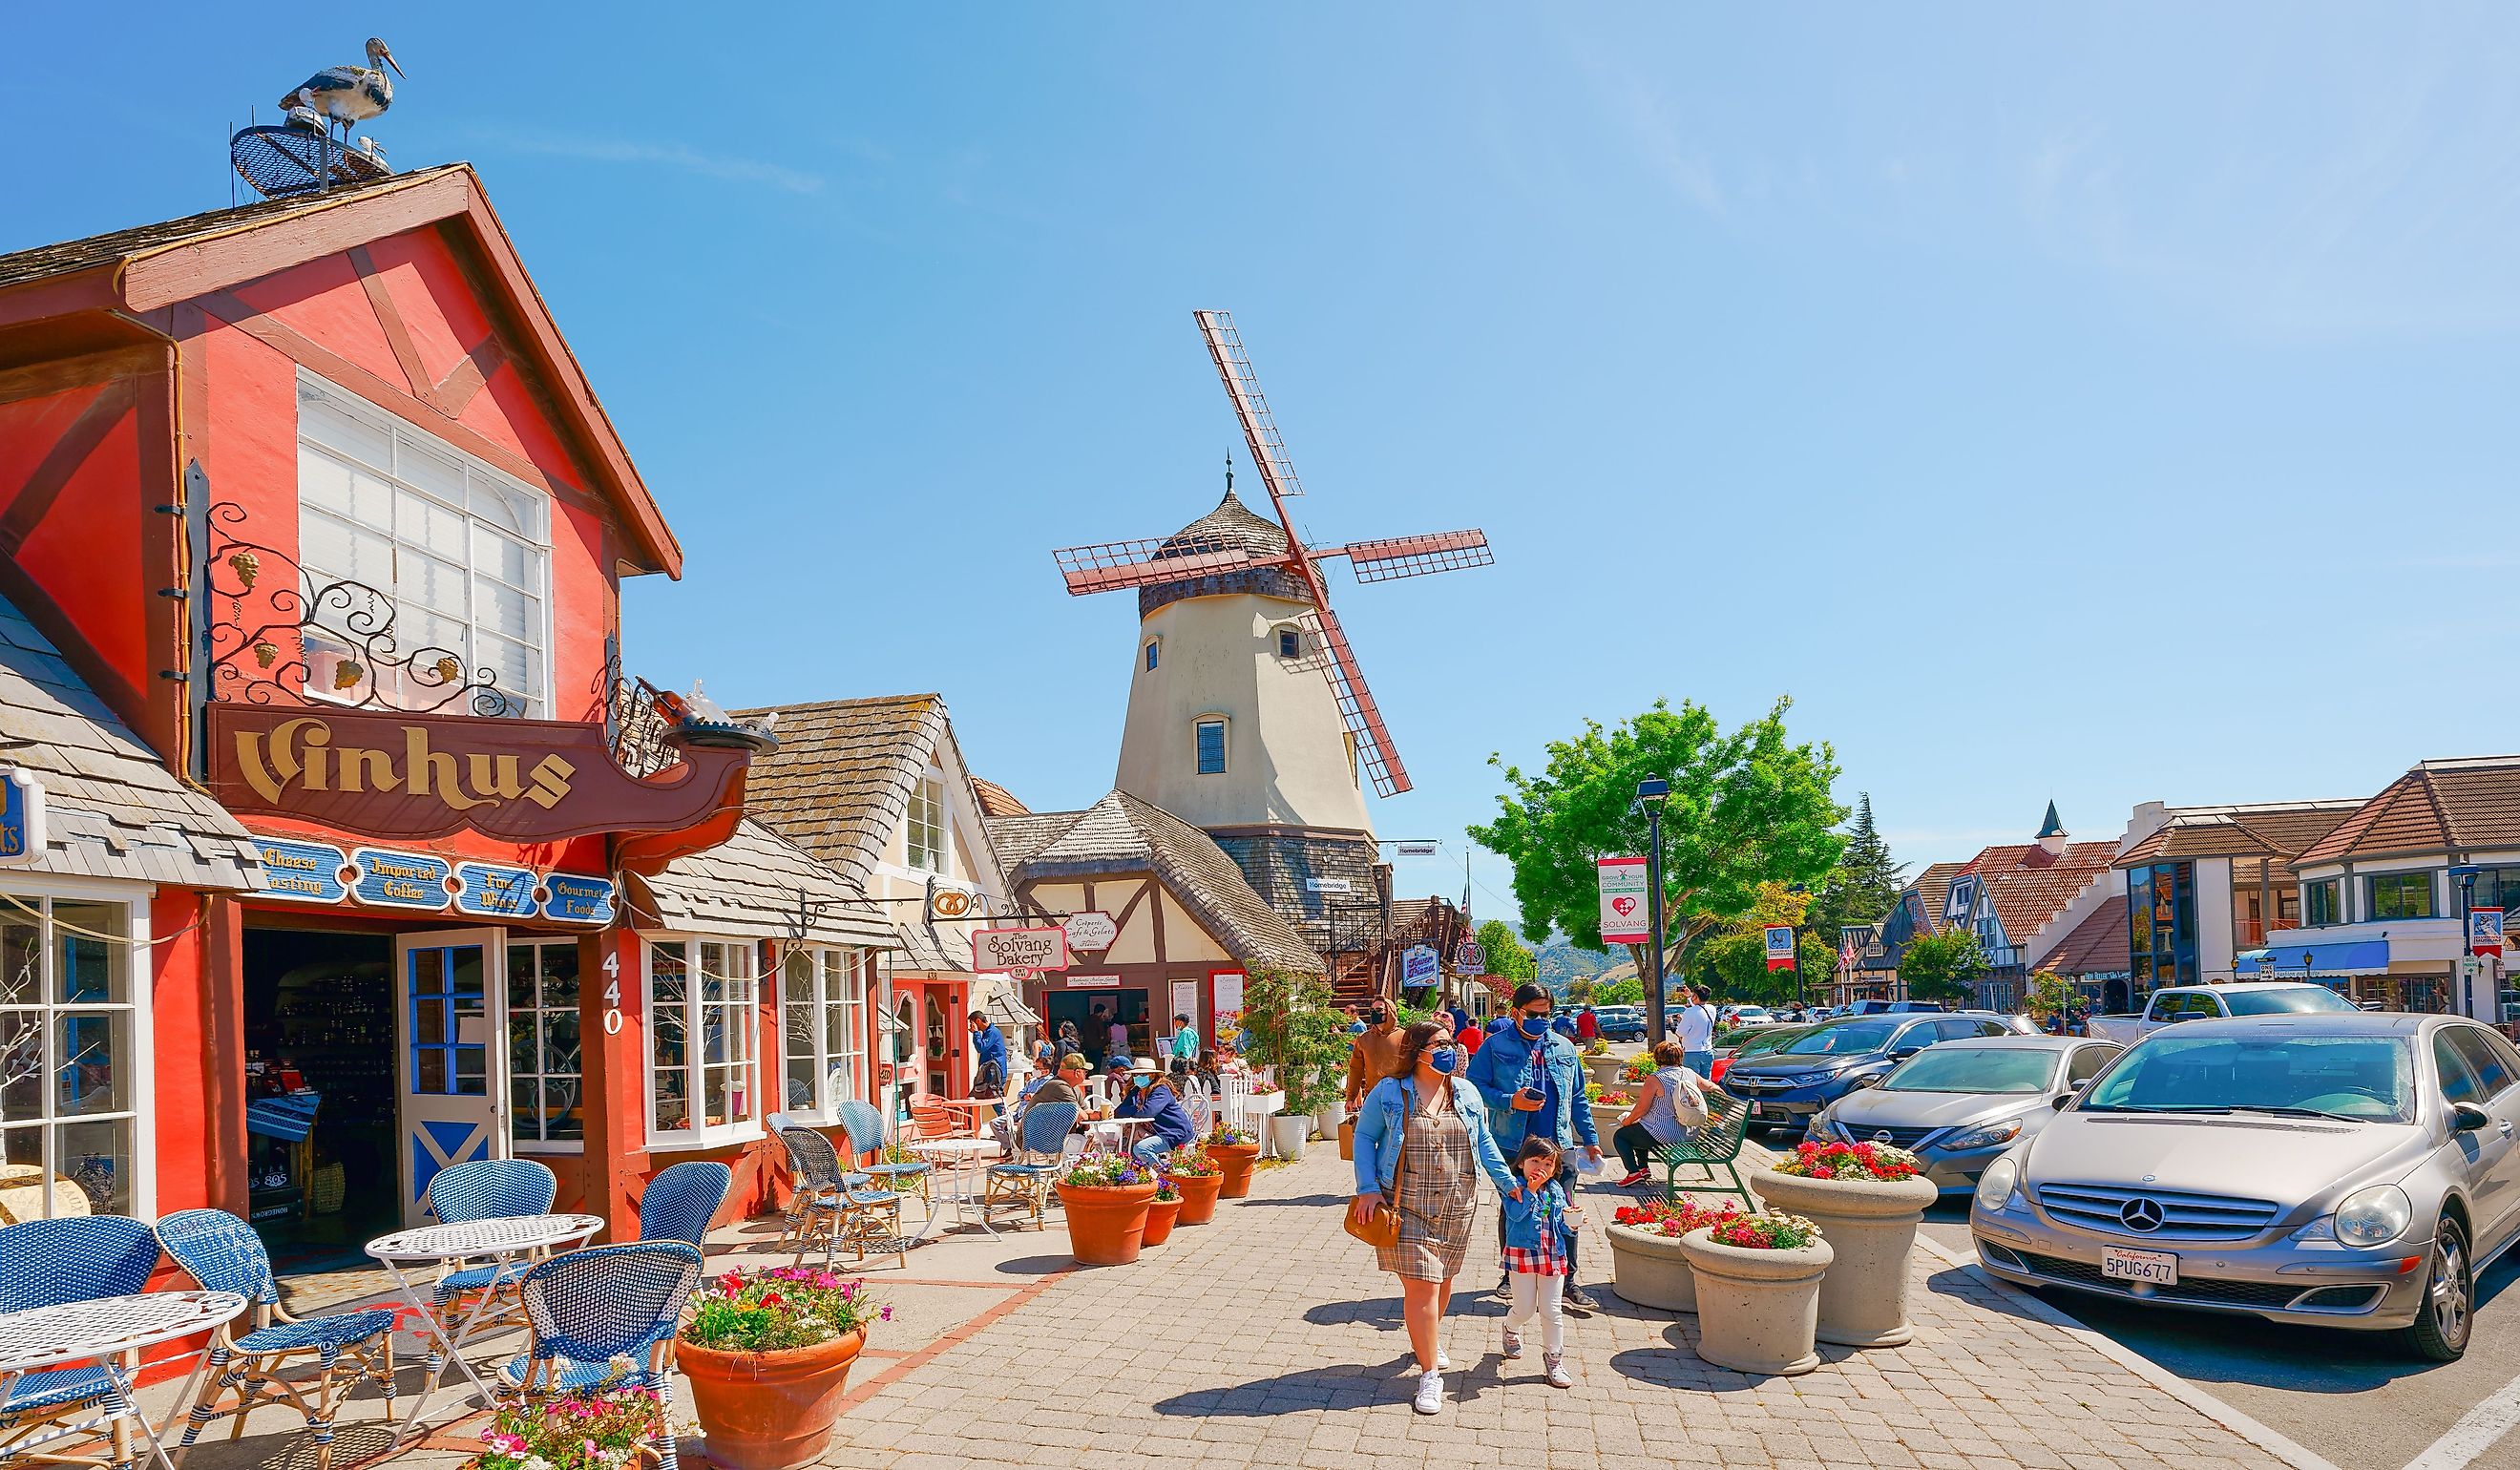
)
(1674, 1100)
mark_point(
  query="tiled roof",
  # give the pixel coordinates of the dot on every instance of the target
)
(96, 251)
(113, 808)
(2248, 831)
(2098, 944)
(1933, 891)
(996, 800)
(758, 885)
(2030, 886)
(2440, 806)
(1121, 833)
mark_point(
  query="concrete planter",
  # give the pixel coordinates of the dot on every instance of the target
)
(1872, 1226)
(1649, 1270)
(1756, 1309)
(1603, 1069)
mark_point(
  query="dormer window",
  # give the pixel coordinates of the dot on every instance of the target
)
(923, 826)
(1211, 747)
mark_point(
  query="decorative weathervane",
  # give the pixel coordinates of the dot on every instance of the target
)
(306, 156)
(280, 634)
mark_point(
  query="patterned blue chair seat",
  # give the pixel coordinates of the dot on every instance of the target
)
(569, 1375)
(47, 1263)
(679, 1203)
(56, 1388)
(608, 1312)
(1025, 1178)
(480, 1279)
(338, 1330)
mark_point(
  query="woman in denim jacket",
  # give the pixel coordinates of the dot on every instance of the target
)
(1444, 1127)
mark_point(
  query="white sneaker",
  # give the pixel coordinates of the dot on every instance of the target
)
(1443, 1365)
(1556, 1364)
(1513, 1343)
(1431, 1394)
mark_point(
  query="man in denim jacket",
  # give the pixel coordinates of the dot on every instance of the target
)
(1529, 1053)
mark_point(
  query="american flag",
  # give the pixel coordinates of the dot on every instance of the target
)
(1846, 952)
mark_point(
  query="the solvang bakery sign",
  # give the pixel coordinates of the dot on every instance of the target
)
(397, 776)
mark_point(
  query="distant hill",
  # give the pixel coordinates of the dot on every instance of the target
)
(1561, 961)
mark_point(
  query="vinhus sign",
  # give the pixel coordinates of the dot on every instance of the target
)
(399, 775)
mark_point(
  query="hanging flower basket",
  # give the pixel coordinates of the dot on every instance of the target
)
(1868, 1199)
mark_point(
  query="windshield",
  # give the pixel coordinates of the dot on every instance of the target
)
(1843, 1041)
(2306, 999)
(1770, 1039)
(2359, 1076)
(1974, 1069)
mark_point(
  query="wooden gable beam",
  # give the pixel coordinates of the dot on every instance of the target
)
(258, 247)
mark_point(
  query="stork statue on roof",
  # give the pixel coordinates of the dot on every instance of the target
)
(346, 94)
(1249, 714)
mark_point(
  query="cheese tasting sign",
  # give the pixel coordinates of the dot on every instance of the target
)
(381, 773)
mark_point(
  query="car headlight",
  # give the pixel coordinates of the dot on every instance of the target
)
(1810, 1079)
(1996, 1185)
(1987, 1137)
(2371, 1217)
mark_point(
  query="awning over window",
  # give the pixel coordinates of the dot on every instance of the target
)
(2353, 957)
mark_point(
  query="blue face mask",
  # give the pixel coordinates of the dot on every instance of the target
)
(1444, 1059)
(1534, 1026)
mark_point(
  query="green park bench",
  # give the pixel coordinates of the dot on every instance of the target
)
(1711, 1146)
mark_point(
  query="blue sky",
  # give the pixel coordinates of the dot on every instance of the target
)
(2107, 405)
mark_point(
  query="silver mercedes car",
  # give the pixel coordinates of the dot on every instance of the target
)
(1959, 1105)
(2347, 1170)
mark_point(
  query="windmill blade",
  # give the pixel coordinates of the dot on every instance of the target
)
(1416, 555)
(1259, 428)
(1356, 705)
(1112, 565)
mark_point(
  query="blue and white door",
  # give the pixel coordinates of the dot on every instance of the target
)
(452, 1072)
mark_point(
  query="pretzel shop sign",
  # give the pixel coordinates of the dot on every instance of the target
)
(381, 774)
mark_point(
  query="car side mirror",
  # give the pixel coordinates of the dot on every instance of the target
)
(1905, 1052)
(2468, 1117)
(1868, 1080)
(2062, 1101)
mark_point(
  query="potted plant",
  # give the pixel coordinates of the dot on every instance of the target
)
(1298, 1034)
(1164, 1210)
(582, 1431)
(1197, 1178)
(1234, 1150)
(768, 1354)
(1637, 1068)
(1106, 1197)
(1757, 1279)
(1869, 1198)
(1599, 1065)
(1646, 1265)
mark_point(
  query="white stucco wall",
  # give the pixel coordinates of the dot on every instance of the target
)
(1286, 753)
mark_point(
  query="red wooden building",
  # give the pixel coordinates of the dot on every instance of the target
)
(311, 537)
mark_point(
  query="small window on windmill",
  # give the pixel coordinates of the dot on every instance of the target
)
(1290, 640)
(1154, 648)
(1211, 747)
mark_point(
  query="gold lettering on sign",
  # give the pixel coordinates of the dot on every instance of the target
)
(295, 752)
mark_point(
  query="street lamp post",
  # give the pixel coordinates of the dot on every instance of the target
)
(2466, 878)
(1651, 793)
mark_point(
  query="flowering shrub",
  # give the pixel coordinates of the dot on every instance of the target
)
(1614, 1097)
(778, 1307)
(1765, 1232)
(1599, 1046)
(1658, 1216)
(1191, 1163)
(1849, 1161)
(1227, 1133)
(1638, 1068)
(1105, 1170)
(592, 1431)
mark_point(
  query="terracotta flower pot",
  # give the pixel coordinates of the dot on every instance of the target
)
(1107, 1223)
(769, 1410)
(1197, 1196)
(1161, 1214)
(1872, 1226)
(1756, 1309)
(1648, 1269)
(1236, 1159)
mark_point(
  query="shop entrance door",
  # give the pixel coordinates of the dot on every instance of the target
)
(452, 1076)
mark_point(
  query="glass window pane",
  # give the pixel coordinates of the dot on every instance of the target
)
(22, 1066)
(434, 474)
(428, 1070)
(508, 612)
(422, 524)
(86, 1047)
(524, 1111)
(337, 429)
(800, 1082)
(471, 1071)
(560, 1041)
(507, 559)
(521, 991)
(559, 975)
(522, 1050)
(96, 1157)
(561, 1116)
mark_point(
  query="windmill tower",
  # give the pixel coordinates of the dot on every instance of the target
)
(1249, 715)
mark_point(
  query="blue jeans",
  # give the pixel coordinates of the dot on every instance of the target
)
(1150, 1150)
(1700, 1062)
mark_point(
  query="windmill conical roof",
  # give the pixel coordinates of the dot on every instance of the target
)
(1232, 525)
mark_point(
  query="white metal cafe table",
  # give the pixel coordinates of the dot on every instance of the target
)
(108, 1331)
(954, 1164)
(453, 1247)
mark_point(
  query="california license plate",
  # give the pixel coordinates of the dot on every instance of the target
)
(1771, 1110)
(2147, 1268)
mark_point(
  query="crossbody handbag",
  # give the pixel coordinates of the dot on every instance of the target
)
(1381, 1229)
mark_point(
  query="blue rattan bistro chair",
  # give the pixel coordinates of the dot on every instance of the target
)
(836, 1205)
(485, 1189)
(45, 1262)
(864, 1126)
(681, 1201)
(603, 1318)
(1025, 1179)
(224, 1254)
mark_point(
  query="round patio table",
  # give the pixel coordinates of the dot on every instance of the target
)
(108, 1331)
(500, 1242)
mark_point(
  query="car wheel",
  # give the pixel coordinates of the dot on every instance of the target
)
(2449, 1309)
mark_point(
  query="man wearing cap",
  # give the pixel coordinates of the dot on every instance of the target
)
(1532, 1080)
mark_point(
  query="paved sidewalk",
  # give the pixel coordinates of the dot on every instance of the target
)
(1267, 1338)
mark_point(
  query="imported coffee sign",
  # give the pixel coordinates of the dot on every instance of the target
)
(395, 776)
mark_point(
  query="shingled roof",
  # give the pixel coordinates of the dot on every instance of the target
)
(996, 800)
(2274, 829)
(758, 885)
(111, 807)
(839, 784)
(2097, 945)
(1933, 891)
(1121, 833)
(2438, 807)
(2030, 886)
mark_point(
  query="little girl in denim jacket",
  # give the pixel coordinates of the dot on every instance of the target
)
(1540, 1225)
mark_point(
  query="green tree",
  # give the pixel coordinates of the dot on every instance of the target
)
(1942, 966)
(2050, 993)
(1746, 808)
(1628, 990)
(1733, 959)
(1503, 955)
(1579, 991)
(1864, 884)
(1295, 1028)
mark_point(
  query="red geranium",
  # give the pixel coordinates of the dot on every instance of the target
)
(1850, 1161)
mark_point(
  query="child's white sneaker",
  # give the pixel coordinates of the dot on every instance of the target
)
(1555, 1363)
(1513, 1343)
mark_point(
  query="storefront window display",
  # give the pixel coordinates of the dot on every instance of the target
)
(701, 998)
(71, 1071)
(822, 1008)
(544, 1067)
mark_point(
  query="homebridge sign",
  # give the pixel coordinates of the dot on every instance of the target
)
(381, 774)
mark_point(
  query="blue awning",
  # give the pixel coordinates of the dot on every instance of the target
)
(2352, 956)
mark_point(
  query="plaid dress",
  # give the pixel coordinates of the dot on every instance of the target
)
(1437, 1198)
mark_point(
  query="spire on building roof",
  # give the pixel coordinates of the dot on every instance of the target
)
(2053, 827)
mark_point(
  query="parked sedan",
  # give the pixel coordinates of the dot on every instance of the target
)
(1962, 1104)
(1621, 1023)
(1788, 1086)
(2350, 1169)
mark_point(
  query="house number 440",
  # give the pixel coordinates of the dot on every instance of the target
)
(612, 994)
